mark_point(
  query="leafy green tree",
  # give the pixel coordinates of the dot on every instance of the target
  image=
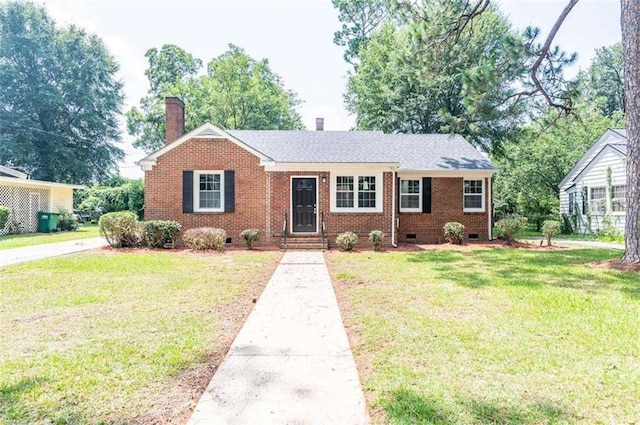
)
(393, 90)
(116, 194)
(236, 92)
(169, 70)
(360, 18)
(532, 166)
(59, 98)
(603, 81)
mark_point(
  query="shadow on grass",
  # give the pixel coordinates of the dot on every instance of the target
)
(530, 268)
(409, 407)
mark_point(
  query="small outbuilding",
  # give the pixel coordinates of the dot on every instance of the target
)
(25, 197)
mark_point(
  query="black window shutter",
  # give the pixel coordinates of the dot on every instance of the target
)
(187, 191)
(426, 195)
(229, 191)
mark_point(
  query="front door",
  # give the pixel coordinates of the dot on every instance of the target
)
(303, 200)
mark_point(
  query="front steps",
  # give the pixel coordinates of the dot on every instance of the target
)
(304, 242)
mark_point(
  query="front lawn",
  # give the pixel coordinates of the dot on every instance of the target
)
(493, 335)
(116, 337)
(28, 239)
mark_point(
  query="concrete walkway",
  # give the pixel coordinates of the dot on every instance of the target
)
(291, 362)
(575, 242)
(35, 252)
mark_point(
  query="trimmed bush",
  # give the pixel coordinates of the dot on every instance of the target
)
(4, 216)
(121, 229)
(376, 237)
(205, 238)
(67, 221)
(550, 229)
(347, 241)
(157, 233)
(454, 232)
(250, 236)
(509, 227)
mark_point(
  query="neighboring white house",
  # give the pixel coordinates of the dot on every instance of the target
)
(593, 194)
(25, 197)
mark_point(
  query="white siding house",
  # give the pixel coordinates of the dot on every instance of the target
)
(25, 197)
(593, 194)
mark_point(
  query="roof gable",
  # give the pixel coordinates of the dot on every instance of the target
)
(614, 137)
(594, 161)
(205, 131)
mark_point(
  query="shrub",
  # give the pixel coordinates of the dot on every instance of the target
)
(376, 237)
(202, 238)
(157, 233)
(509, 227)
(454, 232)
(4, 216)
(550, 229)
(347, 241)
(121, 229)
(67, 221)
(250, 236)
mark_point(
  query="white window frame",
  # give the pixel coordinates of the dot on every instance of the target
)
(356, 176)
(482, 195)
(196, 191)
(419, 207)
(614, 199)
(602, 200)
(572, 202)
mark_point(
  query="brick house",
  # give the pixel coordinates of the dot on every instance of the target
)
(292, 185)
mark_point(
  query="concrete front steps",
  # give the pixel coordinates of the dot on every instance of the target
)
(304, 242)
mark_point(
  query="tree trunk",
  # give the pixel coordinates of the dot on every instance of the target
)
(630, 21)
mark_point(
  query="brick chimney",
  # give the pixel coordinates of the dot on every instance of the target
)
(174, 121)
(319, 124)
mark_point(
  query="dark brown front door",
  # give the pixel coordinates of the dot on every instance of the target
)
(303, 198)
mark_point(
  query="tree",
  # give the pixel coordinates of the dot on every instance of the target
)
(532, 166)
(237, 92)
(360, 18)
(401, 86)
(630, 20)
(630, 42)
(603, 81)
(60, 100)
(169, 68)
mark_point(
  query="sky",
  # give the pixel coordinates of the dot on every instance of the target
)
(296, 36)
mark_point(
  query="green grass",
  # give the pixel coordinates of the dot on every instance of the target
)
(99, 337)
(28, 239)
(493, 336)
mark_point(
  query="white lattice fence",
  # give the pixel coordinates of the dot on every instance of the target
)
(24, 204)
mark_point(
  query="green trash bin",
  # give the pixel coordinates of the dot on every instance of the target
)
(47, 221)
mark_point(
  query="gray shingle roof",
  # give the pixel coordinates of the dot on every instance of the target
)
(411, 151)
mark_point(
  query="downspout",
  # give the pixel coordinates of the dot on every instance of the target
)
(393, 209)
(490, 211)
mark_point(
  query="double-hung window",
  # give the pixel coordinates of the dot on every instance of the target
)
(473, 198)
(598, 200)
(619, 198)
(572, 201)
(209, 191)
(410, 195)
(366, 192)
(356, 193)
(344, 192)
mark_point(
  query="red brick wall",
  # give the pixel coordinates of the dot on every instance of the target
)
(262, 208)
(163, 187)
(446, 205)
(359, 223)
(174, 111)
